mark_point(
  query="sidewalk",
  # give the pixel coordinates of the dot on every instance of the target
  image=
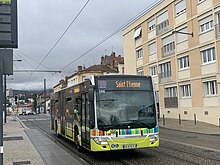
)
(17, 147)
(189, 126)
(30, 146)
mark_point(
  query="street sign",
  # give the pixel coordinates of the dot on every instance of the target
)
(8, 24)
(6, 55)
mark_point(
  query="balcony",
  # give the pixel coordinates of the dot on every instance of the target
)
(217, 30)
(165, 77)
(171, 102)
(168, 49)
(163, 27)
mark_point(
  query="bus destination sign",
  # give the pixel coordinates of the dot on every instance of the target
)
(127, 84)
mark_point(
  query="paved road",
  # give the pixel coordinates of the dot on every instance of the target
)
(176, 147)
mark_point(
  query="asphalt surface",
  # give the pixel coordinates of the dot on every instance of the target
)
(176, 147)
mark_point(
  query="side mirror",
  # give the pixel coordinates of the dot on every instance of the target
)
(91, 93)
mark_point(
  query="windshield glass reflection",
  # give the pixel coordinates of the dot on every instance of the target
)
(123, 109)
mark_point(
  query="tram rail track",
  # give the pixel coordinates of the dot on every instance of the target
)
(69, 146)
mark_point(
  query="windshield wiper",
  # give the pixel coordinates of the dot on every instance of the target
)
(138, 122)
(108, 100)
(108, 127)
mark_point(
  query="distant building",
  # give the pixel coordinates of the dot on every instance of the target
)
(114, 62)
(79, 76)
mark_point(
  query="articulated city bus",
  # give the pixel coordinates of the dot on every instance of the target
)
(111, 112)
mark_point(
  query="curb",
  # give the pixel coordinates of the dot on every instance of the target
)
(202, 133)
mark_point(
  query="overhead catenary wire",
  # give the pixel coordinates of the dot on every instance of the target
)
(56, 43)
(139, 15)
(22, 54)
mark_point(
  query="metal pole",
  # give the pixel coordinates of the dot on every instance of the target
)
(163, 120)
(5, 98)
(179, 119)
(195, 119)
(45, 96)
(219, 122)
(1, 111)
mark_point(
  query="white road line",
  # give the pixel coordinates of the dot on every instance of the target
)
(30, 119)
(191, 145)
(23, 120)
(41, 119)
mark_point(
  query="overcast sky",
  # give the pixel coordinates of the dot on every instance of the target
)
(42, 22)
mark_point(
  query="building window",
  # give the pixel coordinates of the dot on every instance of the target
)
(210, 88)
(183, 62)
(140, 72)
(180, 7)
(208, 55)
(162, 22)
(206, 24)
(152, 48)
(137, 33)
(139, 53)
(168, 45)
(165, 70)
(182, 37)
(171, 92)
(153, 70)
(185, 91)
(151, 25)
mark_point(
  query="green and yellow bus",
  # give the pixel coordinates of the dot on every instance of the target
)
(110, 112)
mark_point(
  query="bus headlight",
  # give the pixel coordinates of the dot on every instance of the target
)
(154, 137)
(101, 140)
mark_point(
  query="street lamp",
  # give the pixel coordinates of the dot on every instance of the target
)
(182, 32)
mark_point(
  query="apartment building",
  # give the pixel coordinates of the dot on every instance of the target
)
(177, 42)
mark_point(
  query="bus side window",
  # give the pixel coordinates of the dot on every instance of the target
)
(79, 106)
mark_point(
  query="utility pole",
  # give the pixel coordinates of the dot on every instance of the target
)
(45, 93)
(5, 99)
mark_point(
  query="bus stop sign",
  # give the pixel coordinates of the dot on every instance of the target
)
(8, 24)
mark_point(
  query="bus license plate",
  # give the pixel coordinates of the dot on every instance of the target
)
(129, 146)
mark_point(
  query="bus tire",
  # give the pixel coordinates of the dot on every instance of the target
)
(76, 139)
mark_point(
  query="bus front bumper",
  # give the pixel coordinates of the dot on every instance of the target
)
(109, 144)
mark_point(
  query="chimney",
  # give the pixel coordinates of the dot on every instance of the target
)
(102, 60)
(113, 54)
(79, 68)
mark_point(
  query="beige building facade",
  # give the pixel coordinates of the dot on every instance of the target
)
(177, 42)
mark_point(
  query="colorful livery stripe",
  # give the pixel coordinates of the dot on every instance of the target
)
(136, 131)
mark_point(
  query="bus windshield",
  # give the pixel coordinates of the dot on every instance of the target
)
(120, 109)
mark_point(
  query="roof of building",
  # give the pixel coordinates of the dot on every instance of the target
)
(100, 68)
(120, 59)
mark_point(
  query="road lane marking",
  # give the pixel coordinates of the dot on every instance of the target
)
(192, 145)
(41, 119)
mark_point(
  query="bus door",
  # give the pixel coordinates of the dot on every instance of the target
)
(63, 120)
(85, 120)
